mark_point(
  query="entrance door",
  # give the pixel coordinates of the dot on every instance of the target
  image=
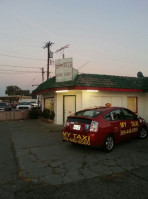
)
(69, 106)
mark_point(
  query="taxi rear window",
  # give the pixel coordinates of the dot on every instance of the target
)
(88, 113)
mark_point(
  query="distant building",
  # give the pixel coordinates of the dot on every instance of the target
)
(13, 99)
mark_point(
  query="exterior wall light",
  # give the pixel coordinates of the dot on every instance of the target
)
(62, 91)
(92, 91)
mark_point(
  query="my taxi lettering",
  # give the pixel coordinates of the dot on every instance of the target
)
(73, 137)
(135, 123)
(134, 128)
(123, 124)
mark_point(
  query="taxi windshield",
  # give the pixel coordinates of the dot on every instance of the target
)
(88, 113)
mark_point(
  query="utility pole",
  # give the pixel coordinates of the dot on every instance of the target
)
(49, 55)
(43, 74)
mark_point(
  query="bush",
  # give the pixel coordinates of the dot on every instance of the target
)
(52, 115)
(48, 114)
(34, 113)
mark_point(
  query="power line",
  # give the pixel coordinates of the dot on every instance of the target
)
(83, 65)
(20, 71)
(27, 45)
(20, 39)
(19, 66)
(22, 57)
(17, 37)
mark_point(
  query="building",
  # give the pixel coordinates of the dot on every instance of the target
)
(91, 90)
(13, 99)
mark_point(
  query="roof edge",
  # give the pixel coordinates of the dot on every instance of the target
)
(88, 88)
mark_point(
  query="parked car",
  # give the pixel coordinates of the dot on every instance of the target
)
(14, 105)
(5, 106)
(2, 106)
(103, 127)
(24, 106)
(34, 103)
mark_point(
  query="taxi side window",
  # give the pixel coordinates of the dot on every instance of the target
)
(114, 115)
(128, 115)
(108, 117)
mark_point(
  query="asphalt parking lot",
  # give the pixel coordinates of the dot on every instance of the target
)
(67, 170)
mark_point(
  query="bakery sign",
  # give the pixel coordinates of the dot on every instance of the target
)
(64, 69)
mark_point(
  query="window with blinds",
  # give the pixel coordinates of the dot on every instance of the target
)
(132, 104)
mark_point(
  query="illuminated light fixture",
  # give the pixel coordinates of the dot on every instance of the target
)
(62, 91)
(92, 91)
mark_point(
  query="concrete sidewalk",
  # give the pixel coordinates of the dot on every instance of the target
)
(44, 158)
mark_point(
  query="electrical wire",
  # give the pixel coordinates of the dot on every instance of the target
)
(16, 38)
(19, 66)
(20, 71)
(22, 57)
(17, 72)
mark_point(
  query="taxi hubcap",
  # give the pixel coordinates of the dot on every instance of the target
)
(143, 133)
(109, 143)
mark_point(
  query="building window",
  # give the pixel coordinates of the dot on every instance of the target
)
(49, 103)
(132, 104)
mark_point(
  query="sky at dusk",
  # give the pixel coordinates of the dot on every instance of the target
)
(104, 37)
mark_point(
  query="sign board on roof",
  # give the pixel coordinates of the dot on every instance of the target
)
(64, 69)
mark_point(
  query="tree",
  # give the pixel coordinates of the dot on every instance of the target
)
(26, 92)
(15, 90)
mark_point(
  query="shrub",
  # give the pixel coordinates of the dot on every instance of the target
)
(48, 114)
(52, 115)
(34, 113)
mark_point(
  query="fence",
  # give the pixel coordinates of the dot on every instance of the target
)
(14, 115)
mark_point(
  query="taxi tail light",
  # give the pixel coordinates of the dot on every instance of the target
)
(94, 126)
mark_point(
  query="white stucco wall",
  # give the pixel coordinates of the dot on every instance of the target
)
(116, 99)
(145, 106)
(90, 99)
(59, 111)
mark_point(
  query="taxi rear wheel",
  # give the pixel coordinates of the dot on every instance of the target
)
(143, 133)
(108, 143)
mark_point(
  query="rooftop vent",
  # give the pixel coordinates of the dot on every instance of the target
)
(140, 74)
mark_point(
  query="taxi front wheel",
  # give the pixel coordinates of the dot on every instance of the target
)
(143, 133)
(108, 143)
